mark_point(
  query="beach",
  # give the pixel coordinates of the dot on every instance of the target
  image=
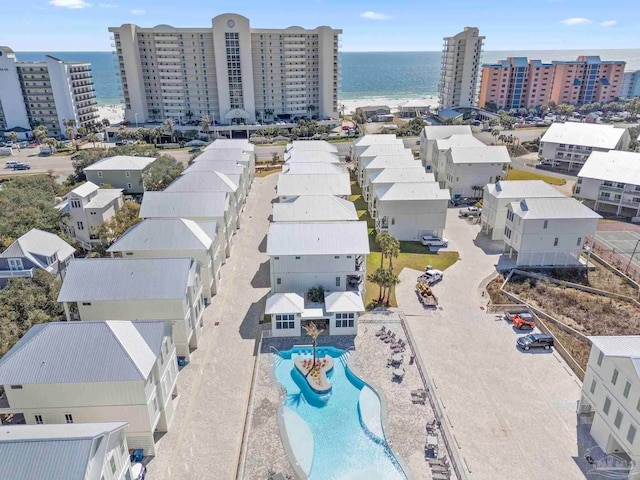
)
(112, 112)
(394, 103)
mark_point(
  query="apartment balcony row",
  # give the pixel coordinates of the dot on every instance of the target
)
(619, 201)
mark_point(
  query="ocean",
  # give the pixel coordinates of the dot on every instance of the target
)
(364, 74)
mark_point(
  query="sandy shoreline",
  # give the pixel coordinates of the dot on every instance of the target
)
(115, 112)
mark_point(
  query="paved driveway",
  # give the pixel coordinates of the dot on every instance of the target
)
(204, 440)
(512, 413)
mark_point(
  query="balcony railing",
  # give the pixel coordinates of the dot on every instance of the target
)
(17, 273)
(605, 188)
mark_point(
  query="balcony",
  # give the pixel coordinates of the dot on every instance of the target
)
(17, 273)
(604, 188)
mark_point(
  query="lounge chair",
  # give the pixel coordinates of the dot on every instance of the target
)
(382, 331)
(418, 400)
(390, 338)
(387, 334)
(439, 461)
(440, 469)
(419, 393)
(441, 476)
(399, 375)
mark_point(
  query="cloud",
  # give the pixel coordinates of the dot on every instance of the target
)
(70, 3)
(374, 16)
(576, 21)
(108, 5)
(137, 11)
(609, 23)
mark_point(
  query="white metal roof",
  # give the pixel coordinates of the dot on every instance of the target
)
(204, 182)
(401, 175)
(613, 166)
(523, 189)
(121, 162)
(104, 279)
(41, 243)
(458, 140)
(315, 238)
(312, 168)
(284, 303)
(310, 156)
(412, 191)
(87, 188)
(184, 204)
(584, 134)
(233, 143)
(385, 149)
(481, 154)
(315, 208)
(617, 345)
(376, 139)
(220, 154)
(104, 197)
(229, 167)
(343, 302)
(390, 161)
(162, 234)
(552, 208)
(436, 132)
(295, 185)
(312, 145)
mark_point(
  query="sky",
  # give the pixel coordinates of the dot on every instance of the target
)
(373, 25)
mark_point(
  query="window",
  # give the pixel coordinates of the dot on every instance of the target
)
(155, 404)
(614, 377)
(112, 462)
(76, 204)
(297, 258)
(127, 174)
(600, 357)
(285, 322)
(337, 281)
(16, 387)
(68, 418)
(99, 174)
(607, 406)
(80, 226)
(618, 420)
(593, 386)
(336, 257)
(38, 419)
(627, 389)
(86, 304)
(510, 215)
(579, 242)
(344, 320)
(129, 186)
(631, 434)
(546, 224)
(278, 281)
(555, 242)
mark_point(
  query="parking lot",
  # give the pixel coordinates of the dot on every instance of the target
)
(512, 413)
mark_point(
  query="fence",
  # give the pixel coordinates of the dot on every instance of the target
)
(612, 258)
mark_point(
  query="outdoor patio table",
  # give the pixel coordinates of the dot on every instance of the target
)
(398, 372)
(397, 357)
(432, 440)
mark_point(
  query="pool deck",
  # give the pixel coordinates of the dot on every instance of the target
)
(404, 424)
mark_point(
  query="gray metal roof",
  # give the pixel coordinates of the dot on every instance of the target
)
(83, 352)
(436, 132)
(481, 154)
(329, 184)
(104, 197)
(315, 208)
(162, 234)
(216, 155)
(204, 182)
(96, 279)
(523, 189)
(584, 134)
(552, 208)
(315, 238)
(401, 175)
(412, 191)
(38, 242)
(184, 204)
(617, 345)
(54, 452)
(121, 162)
(343, 302)
(613, 166)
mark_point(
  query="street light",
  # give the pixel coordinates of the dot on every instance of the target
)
(136, 115)
(632, 255)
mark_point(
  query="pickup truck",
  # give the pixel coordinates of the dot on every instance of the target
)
(430, 277)
(522, 320)
(469, 212)
(433, 241)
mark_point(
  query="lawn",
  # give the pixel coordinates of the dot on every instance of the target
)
(413, 254)
(526, 175)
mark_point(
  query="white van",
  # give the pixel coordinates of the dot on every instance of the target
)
(10, 164)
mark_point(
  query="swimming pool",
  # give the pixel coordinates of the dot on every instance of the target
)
(337, 435)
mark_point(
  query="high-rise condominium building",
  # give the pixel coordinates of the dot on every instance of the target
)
(228, 71)
(517, 82)
(630, 85)
(460, 66)
(45, 93)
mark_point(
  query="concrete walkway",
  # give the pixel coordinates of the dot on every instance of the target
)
(205, 437)
(512, 413)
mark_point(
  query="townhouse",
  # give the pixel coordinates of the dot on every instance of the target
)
(315, 208)
(381, 163)
(469, 169)
(568, 145)
(389, 176)
(610, 397)
(498, 196)
(35, 250)
(307, 255)
(149, 289)
(378, 150)
(610, 182)
(438, 164)
(85, 372)
(361, 144)
(240, 150)
(293, 186)
(430, 134)
(89, 206)
(174, 238)
(311, 145)
(312, 168)
(80, 451)
(310, 156)
(548, 232)
(231, 168)
(122, 171)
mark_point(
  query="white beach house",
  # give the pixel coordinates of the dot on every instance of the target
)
(292, 186)
(438, 162)
(397, 150)
(315, 208)
(83, 372)
(168, 289)
(469, 169)
(381, 163)
(390, 176)
(430, 134)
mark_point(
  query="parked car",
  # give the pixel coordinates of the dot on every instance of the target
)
(522, 320)
(469, 212)
(433, 241)
(535, 340)
(22, 166)
(431, 276)
(10, 164)
(194, 150)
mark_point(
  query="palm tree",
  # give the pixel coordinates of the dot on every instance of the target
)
(310, 109)
(390, 280)
(269, 112)
(383, 239)
(156, 134)
(40, 132)
(169, 124)
(13, 136)
(495, 133)
(392, 248)
(205, 124)
(377, 278)
(314, 332)
(93, 138)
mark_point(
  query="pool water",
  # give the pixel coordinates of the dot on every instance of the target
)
(342, 447)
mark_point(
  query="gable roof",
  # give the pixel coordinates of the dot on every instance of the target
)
(316, 238)
(343, 302)
(82, 352)
(326, 184)
(203, 182)
(552, 208)
(436, 132)
(312, 168)
(376, 139)
(54, 451)
(458, 140)
(121, 162)
(230, 143)
(217, 155)
(392, 161)
(385, 149)
(523, 189)
(87, 188)
(584, 134)
(401, 175)
(104, 279)
(38, 242)
(315, 208)
(104, 197)
(316, 145)
(481, 154)
(412, 191)
(162, 234)
(613, 166)
(284, 303)
(184, 204)
(617, 345)
(209, 227)
(230, 167)
(310, 156)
